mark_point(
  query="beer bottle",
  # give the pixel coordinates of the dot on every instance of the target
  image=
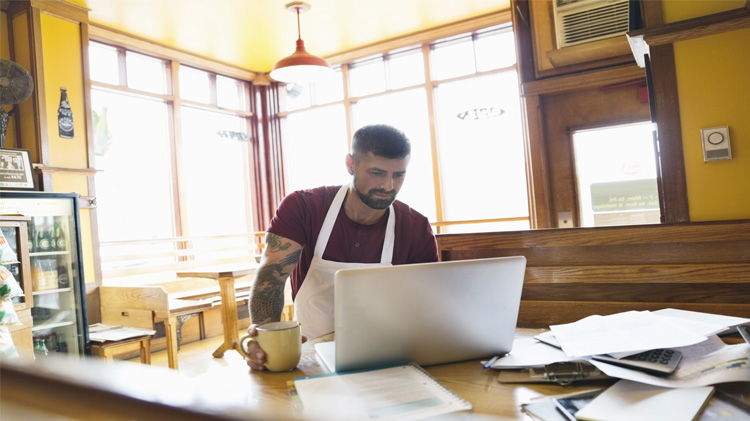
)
(52, 238)
(40, 348)
(65, 116)
(63, 281)
(60, 237)
(42, 236)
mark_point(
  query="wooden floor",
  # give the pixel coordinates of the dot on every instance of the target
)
(195, 358)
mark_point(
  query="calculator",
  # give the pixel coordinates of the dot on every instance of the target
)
(655, 361)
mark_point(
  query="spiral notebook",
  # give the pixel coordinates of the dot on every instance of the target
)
(405, 392)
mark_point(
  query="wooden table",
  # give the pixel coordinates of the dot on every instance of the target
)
(229, 391)
(226, 276)
(267, 393)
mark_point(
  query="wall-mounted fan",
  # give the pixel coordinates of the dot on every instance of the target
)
(16, 85)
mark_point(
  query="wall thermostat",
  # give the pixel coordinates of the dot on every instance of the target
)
(716, 143)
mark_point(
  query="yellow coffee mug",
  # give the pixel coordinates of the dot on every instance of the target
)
(282, 343)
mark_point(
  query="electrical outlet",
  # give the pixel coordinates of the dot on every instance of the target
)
(565, 220)
(716, 144)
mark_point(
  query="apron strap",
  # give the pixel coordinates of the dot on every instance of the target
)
(386, 257)
(390, 237)
(327, 228)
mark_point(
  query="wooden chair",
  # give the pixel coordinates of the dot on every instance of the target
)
(144, 306)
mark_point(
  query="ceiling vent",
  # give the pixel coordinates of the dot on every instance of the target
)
(581, 21)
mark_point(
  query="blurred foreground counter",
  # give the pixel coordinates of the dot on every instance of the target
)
(91, 389)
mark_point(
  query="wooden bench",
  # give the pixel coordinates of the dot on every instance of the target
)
(573, 273)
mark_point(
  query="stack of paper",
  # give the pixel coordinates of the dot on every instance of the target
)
(706, 359)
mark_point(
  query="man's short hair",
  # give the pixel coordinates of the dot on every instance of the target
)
(382, 140)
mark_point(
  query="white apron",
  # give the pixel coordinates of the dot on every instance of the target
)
(313, 305)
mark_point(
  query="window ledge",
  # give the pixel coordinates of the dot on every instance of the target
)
(642, 39)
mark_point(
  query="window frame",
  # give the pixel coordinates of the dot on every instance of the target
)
(173, 61)
(426, 41)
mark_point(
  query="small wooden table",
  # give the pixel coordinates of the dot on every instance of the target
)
(226, 275)
(108, 349)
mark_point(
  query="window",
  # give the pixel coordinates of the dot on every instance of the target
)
(616, 172)
(131, 139)
(158, 180)
(467, 170)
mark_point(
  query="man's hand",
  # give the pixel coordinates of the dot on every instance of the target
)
(258, 357)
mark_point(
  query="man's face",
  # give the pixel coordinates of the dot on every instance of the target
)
(377, 180)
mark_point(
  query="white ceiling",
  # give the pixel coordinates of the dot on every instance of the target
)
(254, 34)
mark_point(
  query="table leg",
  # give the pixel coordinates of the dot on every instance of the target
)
(146, 351)
(170, 325)
(228, 316)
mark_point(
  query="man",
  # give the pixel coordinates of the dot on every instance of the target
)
(319, 231)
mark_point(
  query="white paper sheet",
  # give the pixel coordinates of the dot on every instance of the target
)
(403, 393)
(631, 331)
(626, 401)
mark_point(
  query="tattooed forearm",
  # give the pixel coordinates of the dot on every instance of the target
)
(274, 242)
(267, 293)
(290, 260)
(266, 301)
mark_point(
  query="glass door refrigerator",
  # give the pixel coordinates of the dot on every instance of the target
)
(59, 294)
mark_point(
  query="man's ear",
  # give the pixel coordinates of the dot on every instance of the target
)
(350, 163)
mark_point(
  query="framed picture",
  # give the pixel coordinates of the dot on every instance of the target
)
(16, 172)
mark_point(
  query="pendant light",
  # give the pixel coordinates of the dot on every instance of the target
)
(301, 66)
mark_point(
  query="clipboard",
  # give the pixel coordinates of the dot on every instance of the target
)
(563, 374)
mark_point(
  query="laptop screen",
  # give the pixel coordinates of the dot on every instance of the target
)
(427, 313)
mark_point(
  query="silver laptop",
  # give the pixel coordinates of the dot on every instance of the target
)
(427, 313)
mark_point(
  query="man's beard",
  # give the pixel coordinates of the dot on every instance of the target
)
(371, 201)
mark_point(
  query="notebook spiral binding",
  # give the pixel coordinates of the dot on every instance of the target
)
(453, 394)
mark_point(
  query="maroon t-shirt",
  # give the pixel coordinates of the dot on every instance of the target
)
(300, 217)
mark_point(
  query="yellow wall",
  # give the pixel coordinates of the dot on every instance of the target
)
(61, 54)
(714, 90)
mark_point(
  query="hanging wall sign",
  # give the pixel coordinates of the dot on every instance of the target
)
(481, 113)
(65, 116)
(16, 172)
(228, 134)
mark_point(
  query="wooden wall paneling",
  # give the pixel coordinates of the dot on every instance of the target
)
(522, 29)
(578, 272)
(666, 109)
(541, 314)
(536, 163)
(583, 109)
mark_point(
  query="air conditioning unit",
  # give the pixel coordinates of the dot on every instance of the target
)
(581, 21)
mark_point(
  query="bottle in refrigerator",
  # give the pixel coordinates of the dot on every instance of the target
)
(61, 241)
(42, 239)
(51, 234)
(62, 274)
(40, 348)
(51, 341)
